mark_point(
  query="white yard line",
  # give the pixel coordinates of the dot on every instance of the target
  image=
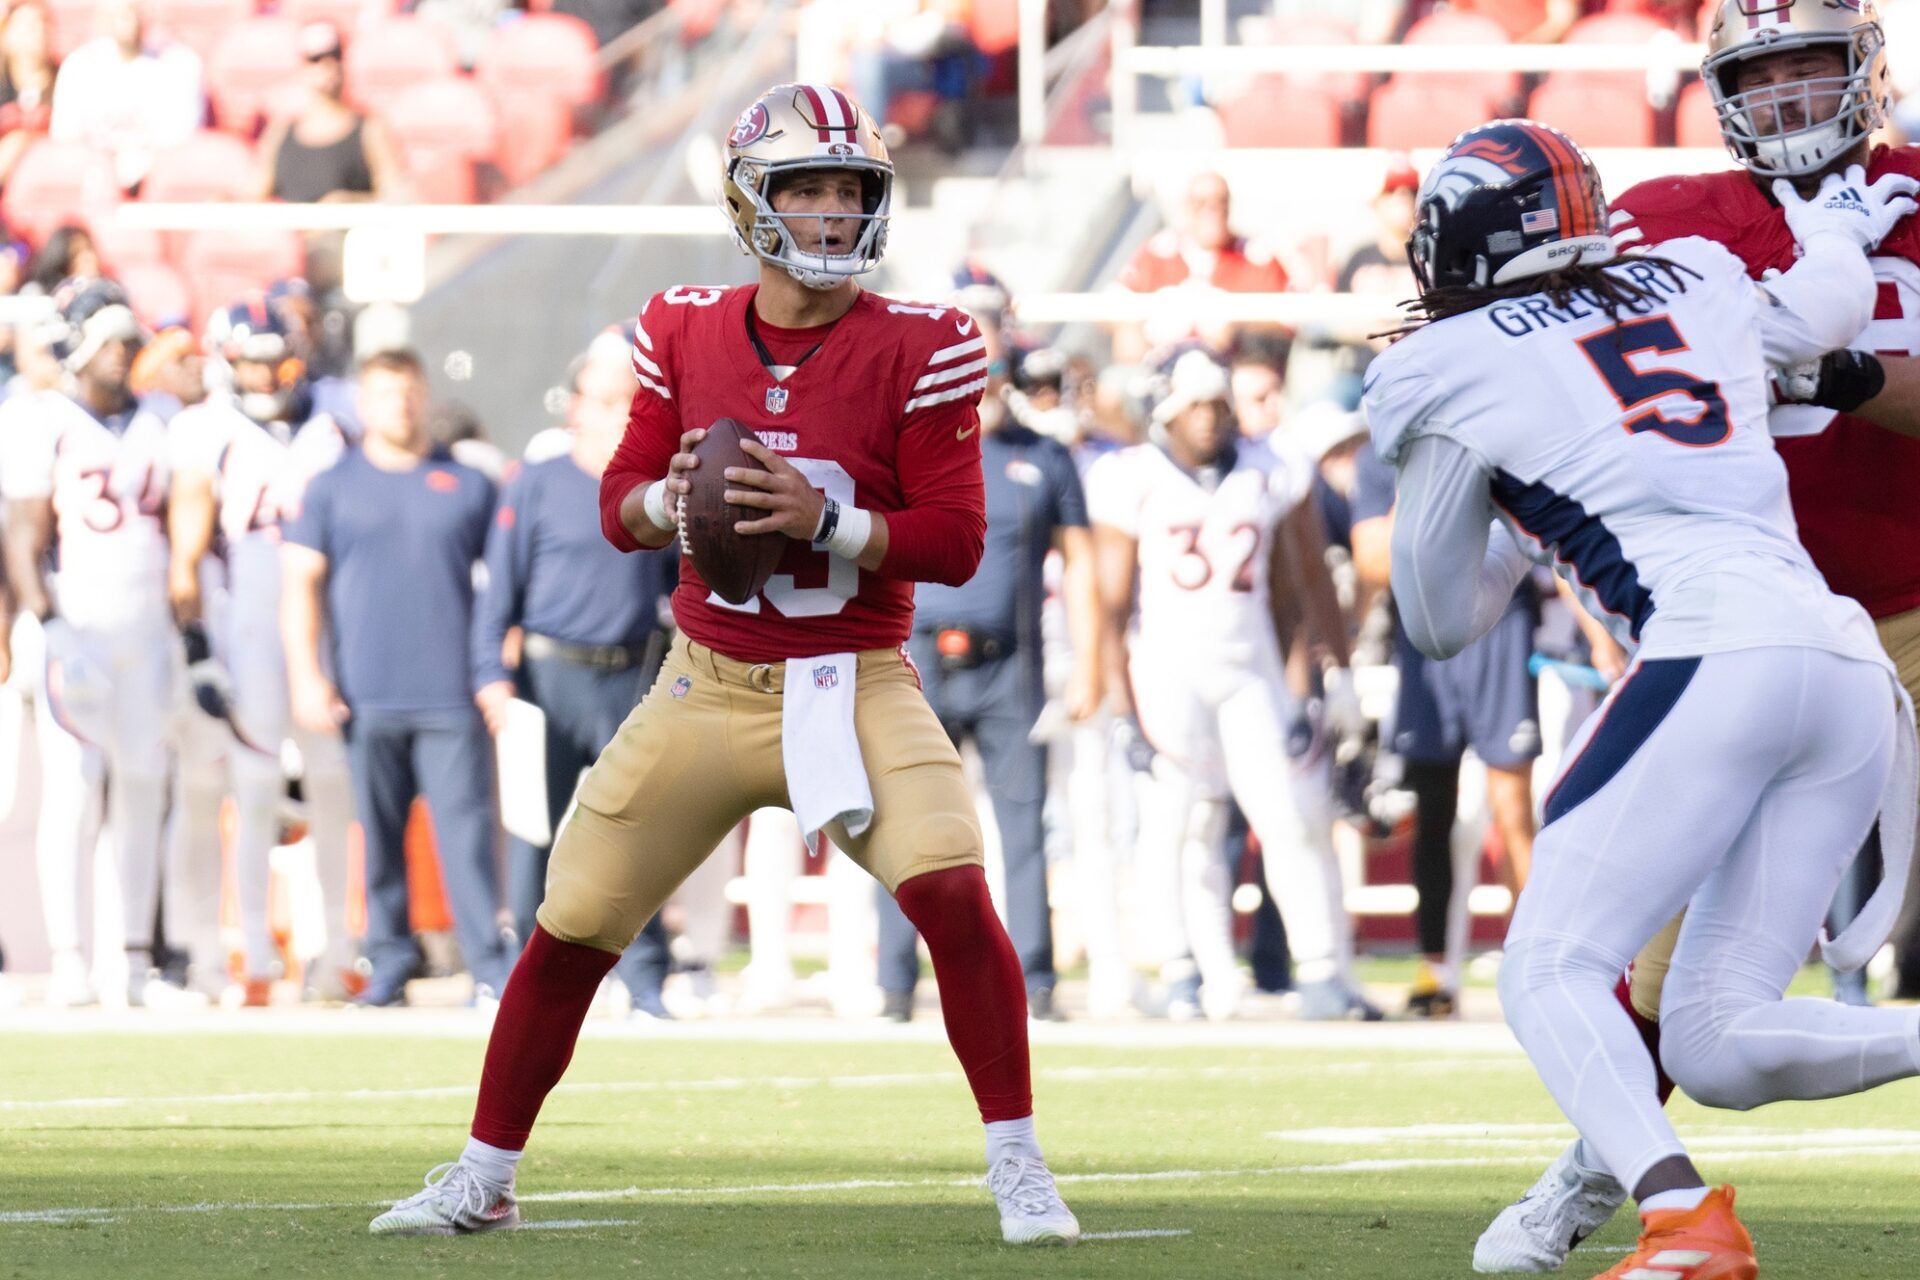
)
(1145, 1233)
(723, 1084)
(1848, 1151)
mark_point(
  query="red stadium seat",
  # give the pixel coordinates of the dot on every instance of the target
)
(1445, 27)
(121, 247)
(198, 24)
(442, 129)
(158, 293)
(1695, 123)
(222, 265)
(549, 55)
(252, 71)
(1351, 86)
(1595, 113)
(70, 24)
(1404, 116)
(1274, 113)
(393, 55)
(56, 183)
(207, 166)
(348, 15)
(534, 134)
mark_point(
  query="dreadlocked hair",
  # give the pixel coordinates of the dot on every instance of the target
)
(1603, 285)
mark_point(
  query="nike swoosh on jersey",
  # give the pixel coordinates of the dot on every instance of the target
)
(964, 325)
(963, 432)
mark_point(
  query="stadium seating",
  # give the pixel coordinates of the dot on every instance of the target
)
(1405, 116)
(551, 55)
(443, 129)
(1275, 113)
(222, 265)
(198, 24)
(534, 135)
(392, 55)
(159, 294)
(347, 15)
(1601, 108)
(208, 166)
(253, 70)
(56, 183)
(1446, 27)
(121, 246)
(1351, 86)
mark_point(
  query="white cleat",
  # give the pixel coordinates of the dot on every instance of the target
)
(67, 986)
(1538, 1231)
(1031, 1210)
(456, 1202)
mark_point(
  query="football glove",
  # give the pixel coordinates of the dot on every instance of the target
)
(1842, 380)
(1131, 745)
(1846, 205)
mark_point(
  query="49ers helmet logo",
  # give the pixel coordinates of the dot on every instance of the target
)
(750, 127)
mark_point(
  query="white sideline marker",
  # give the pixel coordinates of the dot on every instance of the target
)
(1145, 1233)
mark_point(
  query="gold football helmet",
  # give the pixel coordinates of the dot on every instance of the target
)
(1744, 29)
(806, 126)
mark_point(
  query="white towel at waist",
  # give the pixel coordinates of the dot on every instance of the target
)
(826, 778)
(1899, 810)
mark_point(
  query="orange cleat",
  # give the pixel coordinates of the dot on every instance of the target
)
(259, 993)
(1703, 1243)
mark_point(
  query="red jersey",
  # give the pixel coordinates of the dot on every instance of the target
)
(884, 414)
(1852, 484)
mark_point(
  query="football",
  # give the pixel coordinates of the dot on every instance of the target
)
(735, 565)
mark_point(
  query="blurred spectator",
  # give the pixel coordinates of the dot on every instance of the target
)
(918, 48)
(68, 252)
(120, 93)
(27, 70)
(1201, 255)
(326, 151)
(458, 428)
(467, 21)
(593, 634)
(609, 18)
(1381, 267)
(1257, 384)
(380, 560)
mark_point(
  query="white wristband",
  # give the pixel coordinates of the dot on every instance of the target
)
(654, 502)
(851, 535)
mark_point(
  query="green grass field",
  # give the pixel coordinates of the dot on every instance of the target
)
(814, 1149)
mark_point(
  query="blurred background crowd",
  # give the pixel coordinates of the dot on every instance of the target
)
(183, 860)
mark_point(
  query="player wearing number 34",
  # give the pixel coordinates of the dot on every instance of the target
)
(1610, 416)
(802, 697)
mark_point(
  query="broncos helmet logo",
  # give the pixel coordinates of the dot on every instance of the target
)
(1505, 158)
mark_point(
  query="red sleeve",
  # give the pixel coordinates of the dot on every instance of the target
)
(941, 533)
(1661, 209)
(652, 435)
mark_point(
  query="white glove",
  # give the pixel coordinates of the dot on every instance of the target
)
(1340, 713)
(1795, 383)
(79, 691)
(1846, 206)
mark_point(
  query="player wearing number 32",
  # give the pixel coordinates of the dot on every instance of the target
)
(1612, 417)
(802, 697)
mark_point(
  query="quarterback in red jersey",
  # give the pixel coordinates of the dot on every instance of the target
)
(1799, 86)
(866, 412)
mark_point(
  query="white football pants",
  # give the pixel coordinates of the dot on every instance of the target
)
(1221, 729)
(1741, 791)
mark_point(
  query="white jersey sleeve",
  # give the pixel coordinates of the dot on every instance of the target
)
(1444, 519)
(1401, 400)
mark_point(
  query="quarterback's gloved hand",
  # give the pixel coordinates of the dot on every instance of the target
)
(1845, 205)
(1842, 380)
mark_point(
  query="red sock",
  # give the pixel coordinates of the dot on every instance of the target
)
(983, 995)
(1649, 1030)
(533, 1035)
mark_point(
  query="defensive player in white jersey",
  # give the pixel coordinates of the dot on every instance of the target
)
(1614, 419)
(88, 474)
(240, 462)
(1216, 534)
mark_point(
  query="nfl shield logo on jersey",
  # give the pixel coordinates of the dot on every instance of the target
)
(826, 677)
(776, 399)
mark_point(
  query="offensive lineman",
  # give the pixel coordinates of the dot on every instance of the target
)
(1799, 88)
(876, 405)
(1614, 418)
(240, 462)
(1211, 528)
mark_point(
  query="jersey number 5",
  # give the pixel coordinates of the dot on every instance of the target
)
(1611, 352)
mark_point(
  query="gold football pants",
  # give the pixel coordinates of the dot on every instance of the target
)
(702, 751)
(1900, 636)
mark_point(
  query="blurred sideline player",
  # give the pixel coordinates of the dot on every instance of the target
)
(88, 474)
(875, 403)
(1799, 90)
(1218, 535)
(241, 462)
(1759, 732)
